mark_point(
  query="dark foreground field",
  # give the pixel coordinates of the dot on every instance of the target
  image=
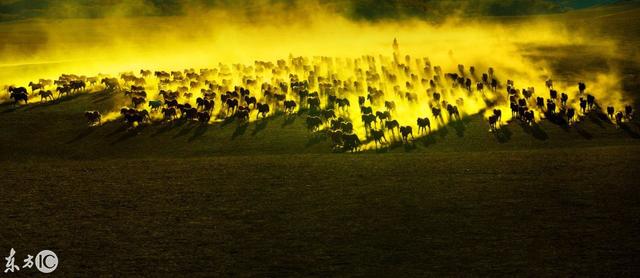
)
(561, 212)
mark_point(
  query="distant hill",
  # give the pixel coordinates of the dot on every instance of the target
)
(357, 9)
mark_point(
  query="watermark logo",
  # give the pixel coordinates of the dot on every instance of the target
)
(46, 262)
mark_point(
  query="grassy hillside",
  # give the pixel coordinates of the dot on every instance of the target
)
(59, 131)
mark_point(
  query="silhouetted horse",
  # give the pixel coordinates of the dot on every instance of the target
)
(391, 125)
(498, 114)
(204, 117)
(289, 106)
(346, 127)
(540, 102)
(249, 100)
(19, 96)
(93, 117)
(328, 114)
(423, 124)
(169, 113)
(529, 117)
(242, 113)
(314, 103)
(406, 131)
(378, 136)
(137, 101)
(77, 85)
(351, 142)
(570, 114)
(45, 95)
(619, 117)
(551, 107)
(437, 112)
(343, 103)
(35, 86)
(583, 105)
(204, 104)
(263, 109)
(232, 105)
(493, 122)
(336, 137)
(155, 104)
(383, 116)
(314, 122)
(436, 96)
(390, 105)
(610, 112)
(190, 113)
(137, 88)
(367, 119)
(628, 110)
(453, 111)
(133, 116)
(591, 101)
(22, 90)
(366, 110)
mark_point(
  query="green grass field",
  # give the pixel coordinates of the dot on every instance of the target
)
(271, 199)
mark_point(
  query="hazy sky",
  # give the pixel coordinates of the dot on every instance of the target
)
(359, 9)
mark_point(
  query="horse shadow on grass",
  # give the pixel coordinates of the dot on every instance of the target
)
(459, 126)
(186, 129)
(289, 120)
(410, 145)
(302, 111)
(558, 119)
(626, 127)
(187, 126)
(101, 96)
(442, 132)
(427, 140)
(393, 144)
(503, 134)
(583, 132)
(535, 130)
(382, 149)
(130, 133)
(54, 102)
(260, 126)
(37, 105)
(84, 133)
(598, 118)
(10, 109)
(316, 138)
(227, 121)
(166, 127)
(240, 130)
(13, 107)
(121, 128)
(396, 143)
(200, 130)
